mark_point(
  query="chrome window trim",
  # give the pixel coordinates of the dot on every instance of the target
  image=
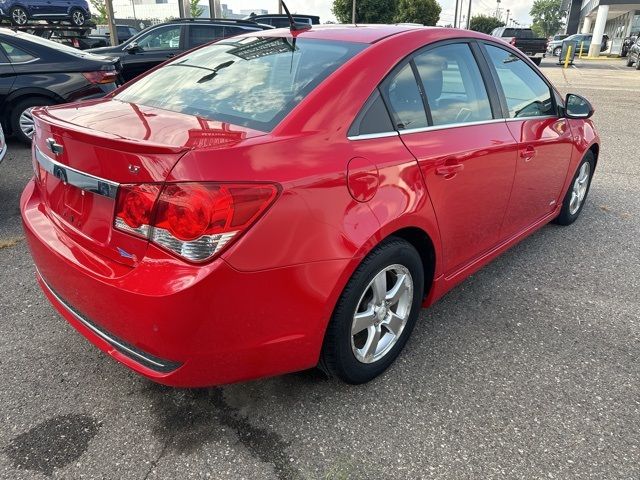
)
(537, 117)
(369, 136)
(35, 59)
(450, 125)
(81, 180)
(144, 359)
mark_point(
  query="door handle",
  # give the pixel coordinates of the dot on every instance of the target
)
(448, 171)
(528, 152)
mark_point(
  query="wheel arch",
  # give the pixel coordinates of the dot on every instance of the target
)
(423, 243)
(19, 95)
(595, 149)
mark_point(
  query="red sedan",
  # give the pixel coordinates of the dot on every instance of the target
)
(279, 201)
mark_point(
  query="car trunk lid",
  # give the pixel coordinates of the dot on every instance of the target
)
(84, 152)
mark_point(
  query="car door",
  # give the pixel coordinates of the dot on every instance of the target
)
(153, 48)
(200, 34)
(450, 120)
(544, 139)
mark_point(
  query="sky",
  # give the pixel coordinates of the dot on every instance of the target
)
(519, 8)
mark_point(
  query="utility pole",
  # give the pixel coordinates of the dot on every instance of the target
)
(455, 16)
(279, 7)
(353, 12)
(215, 10)
(469, 16)
(498, 15)
(113, 33)
(507, 21)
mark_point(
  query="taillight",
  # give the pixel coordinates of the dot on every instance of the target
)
(513, 41)
(75, 42)
(101, 76)
(192, 220)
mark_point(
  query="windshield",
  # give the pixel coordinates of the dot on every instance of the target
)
(249, 81)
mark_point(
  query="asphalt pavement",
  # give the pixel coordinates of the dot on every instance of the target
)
(530, 369)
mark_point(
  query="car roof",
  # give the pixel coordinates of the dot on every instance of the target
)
(361, 33)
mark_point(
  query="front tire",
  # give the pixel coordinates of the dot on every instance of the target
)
(557, 51)
(19, 16)
(577, 193)
(629, 61)
(21, 120)
(375, 314)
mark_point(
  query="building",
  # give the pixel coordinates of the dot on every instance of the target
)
(615, 18)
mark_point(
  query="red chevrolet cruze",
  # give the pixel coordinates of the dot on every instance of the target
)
(279, 201)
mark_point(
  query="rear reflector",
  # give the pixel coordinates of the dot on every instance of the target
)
(101, 76)
(192, 220)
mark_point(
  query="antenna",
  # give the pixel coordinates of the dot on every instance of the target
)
(293, 26)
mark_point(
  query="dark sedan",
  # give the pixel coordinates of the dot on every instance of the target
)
(35, 72)
(633, 55)
(158, 43)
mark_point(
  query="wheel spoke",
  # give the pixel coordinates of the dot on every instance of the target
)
(394, 323)
(398, 289)
(363, 320)
(379, 287)
(369, 349)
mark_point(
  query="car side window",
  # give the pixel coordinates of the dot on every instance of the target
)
(166, 38)
(453, 84)
(405, 100)
(15, 54)
(201, 34)
(373, 118)
(527, 95)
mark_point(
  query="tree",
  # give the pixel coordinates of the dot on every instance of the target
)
(548, 17)
(195, 9)
(426, 12)
(99, 11)
(485, 23)
(367, 11)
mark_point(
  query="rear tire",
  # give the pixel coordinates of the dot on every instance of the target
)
(19, 16)
(537, 60)
(576, 195)
(20, 115)
(557, 51)
(78, 18)
(375, 314)
(638, 63)
(629, 61)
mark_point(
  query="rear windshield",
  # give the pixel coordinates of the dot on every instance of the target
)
(518, 33)
(250, 81)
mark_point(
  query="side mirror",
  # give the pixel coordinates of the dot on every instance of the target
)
(577, 107)
(133, 47)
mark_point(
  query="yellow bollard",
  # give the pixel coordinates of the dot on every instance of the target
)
(581, 47)
(567, 56)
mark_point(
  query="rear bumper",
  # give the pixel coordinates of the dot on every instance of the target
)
(180, 324)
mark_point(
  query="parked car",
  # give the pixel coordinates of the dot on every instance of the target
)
(581, 39)
(634, 54)
(20, 12)
(124, 32)
(35, 71)
(282, 21)
(558, 38)
(627, 43)
(158, 43)
(525, 40)
(260, 206)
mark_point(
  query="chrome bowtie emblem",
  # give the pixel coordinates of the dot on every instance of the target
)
(55, 148)
(134, 169)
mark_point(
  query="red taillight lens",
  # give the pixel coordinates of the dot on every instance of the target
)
(134, 208)
(193, 220)
(101, 76)
(513, 41)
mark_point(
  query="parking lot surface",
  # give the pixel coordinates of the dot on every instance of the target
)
(529, 369)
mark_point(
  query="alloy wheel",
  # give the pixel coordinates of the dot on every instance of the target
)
(78, 18)
(382, 313)
(580, 186)
(19, 16)
(26, 122)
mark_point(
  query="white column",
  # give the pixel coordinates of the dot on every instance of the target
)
(627, 31)
(586, 26)
(598, 30)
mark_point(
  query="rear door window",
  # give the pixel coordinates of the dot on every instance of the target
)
(201, 34)
(405, 101)
(15, 54)
(163, 38)
(453, 84)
